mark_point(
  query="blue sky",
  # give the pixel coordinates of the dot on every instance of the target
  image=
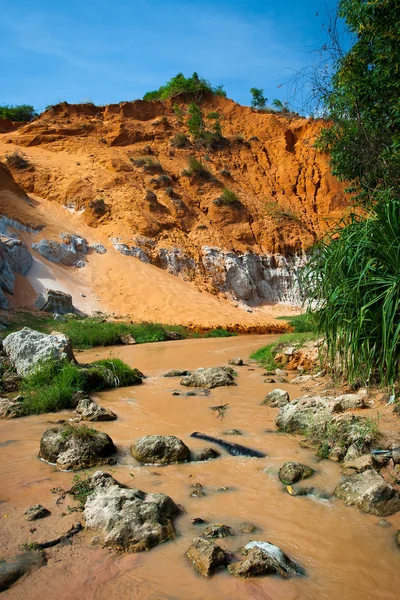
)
(109, 51)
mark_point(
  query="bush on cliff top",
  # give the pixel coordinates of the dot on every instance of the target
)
(194, 85)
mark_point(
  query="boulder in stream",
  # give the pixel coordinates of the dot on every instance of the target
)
(292, 472)
(76, 447)
(160, 450)
(276, 399)
(237, 361)
(27, 348)
(210, 378)
(89, 410)
(206, 556)
(264, 558)
(370, 493)
(11, 408)
(36, 512)
(128, 519)
(206, 454)
(217, 530)
(176, 373)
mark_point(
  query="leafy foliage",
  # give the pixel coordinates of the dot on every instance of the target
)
(195, 122)
(258, 99)
(354, 276)
(19, 113)
(362, 101)
(195, 86)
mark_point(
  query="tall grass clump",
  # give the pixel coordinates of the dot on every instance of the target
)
(354, 276)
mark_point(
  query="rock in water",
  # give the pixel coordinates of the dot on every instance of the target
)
(292, 472)
(206, 556)
(16, 567)
(370, 493)
(216, 530)
(206, 454)
(76, 447)
(209, 378)
(36, 512)
(128, 519)
(160, 450)
(176, 373)
(276, 398)
(27, 347)
(55, 301)
(237, 361)
(89, 410)
(263, 558)
(11, 408)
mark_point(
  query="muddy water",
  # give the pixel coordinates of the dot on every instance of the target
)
(346, 555)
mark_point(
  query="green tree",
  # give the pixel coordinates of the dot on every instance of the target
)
(362, 100)
(20, 113)
(194, 85)
(195, 121)
(258, 99)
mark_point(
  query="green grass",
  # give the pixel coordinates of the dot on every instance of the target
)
(91, 332)
(52, 385)
(228, 198)
(280, 213)
(196, 167)
(304, 323)
(81, 489)
(82, 432)
(194, 86)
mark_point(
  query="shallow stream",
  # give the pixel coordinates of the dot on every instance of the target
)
(346, 555)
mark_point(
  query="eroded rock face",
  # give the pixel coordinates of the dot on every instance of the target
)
(14, 258)
(71, 252)
(370, 493)
(263, 558)
(55, 301)
(210, 378)
(206, 556)
(276, 399)
(89, 410)
(27, 348)
(292, 472)
(160, 449)
(71, 449)
(128, 519)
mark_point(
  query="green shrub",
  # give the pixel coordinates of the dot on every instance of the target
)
(304, 323)
(228, 198)
(194, 86)
(196, 167)
(265, 356)
(353, 277)
(258, 99)
(19, 113)
(149, 164)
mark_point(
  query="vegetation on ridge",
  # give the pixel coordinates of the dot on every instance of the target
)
(19, 113)
(195, 86)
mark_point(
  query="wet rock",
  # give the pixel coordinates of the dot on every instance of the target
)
(384, 523)
(276, 398)
(209, 378)
(173, 335)
(297, 490)
(160, 449)
(296, 416)
(36, 512)
(11, 408)
(73, 448)
(206, 556)
(16, 567)
(206, 454)
(370, 493)
(55, 301)
(217, 530)
(292, 472)
(27, 347)
(198, 521)
(397, 539)
(263, 558)
(127, 339)
(195, 392)
(176, 373)
(269, 380)
(197, 490)
(128, 519)
(281, 372)
(232, 432)
(248, 528)
(358, 465)
(237, 362)
(89, 410)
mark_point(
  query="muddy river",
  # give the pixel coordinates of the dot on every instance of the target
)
(346, 555)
